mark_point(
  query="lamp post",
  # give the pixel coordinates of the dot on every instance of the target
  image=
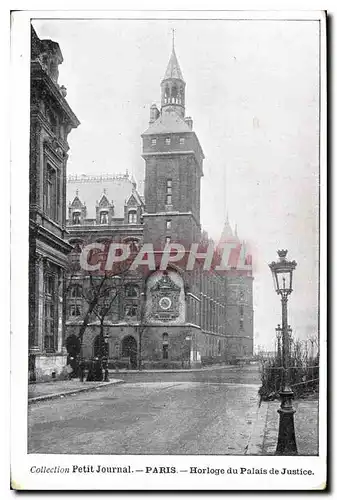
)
(282, 272)
(278, 331)
(106, 359)
(291, 341)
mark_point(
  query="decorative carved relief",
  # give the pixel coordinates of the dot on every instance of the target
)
(165, 299)
(54, 145)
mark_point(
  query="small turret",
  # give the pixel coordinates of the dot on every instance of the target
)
(154, 113)
(173, 87)
(189, 122)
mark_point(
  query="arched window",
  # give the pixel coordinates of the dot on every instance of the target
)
(167, 94)
(132, 217)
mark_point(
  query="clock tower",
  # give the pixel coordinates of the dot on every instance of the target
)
(173, 166)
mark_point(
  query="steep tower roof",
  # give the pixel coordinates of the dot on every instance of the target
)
(173, 69)
(227, 234)
(168, 122)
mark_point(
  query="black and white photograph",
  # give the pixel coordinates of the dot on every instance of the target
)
(172, 171)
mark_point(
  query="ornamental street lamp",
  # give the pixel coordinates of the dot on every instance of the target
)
(282, 272)
(278, 331)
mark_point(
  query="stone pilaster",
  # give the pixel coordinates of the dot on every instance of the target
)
(40, 303)
(34, 344)
(60, 311)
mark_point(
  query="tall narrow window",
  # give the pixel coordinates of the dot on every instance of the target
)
(49, 314)
(165, 346)
(181, 140)
(131, 310)
(168, 224)
(169, 192)
(241, 323)
(167, 141)
(103, 217)
(76, 291)
(76, 218)
(132, 217)
(51, 200)
(153, 142)
(75, 310)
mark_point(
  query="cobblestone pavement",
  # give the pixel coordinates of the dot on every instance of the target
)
(247, 374)
(214, 416)
(306, 427)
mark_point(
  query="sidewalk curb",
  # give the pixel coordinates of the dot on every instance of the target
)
(256, 442)
(55, 395)
(176, 370)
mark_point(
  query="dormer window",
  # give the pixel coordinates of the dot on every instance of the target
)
(132, 217)
(76, 218)
(103, 217)
(167, 141)
(153, 142)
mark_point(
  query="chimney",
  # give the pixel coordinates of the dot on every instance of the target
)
(189, 122)
(154, 113)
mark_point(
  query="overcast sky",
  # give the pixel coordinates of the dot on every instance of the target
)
(252, 89)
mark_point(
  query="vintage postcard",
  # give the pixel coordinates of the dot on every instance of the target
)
(169, 237)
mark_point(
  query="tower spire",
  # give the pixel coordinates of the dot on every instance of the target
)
(173, 85)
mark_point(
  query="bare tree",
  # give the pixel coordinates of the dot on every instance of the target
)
(99, 290)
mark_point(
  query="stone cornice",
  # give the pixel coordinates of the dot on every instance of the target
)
(42, 120)
(49, 237)
(108, 229)
(39, 74)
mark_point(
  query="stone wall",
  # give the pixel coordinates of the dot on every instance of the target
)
(50, 366)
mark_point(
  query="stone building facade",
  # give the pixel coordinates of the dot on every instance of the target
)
(170, 318)
(51, 120)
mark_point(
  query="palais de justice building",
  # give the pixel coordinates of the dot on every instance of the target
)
(51, 120)
(174, 318)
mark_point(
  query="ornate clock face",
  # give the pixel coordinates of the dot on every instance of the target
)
(165, 303)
